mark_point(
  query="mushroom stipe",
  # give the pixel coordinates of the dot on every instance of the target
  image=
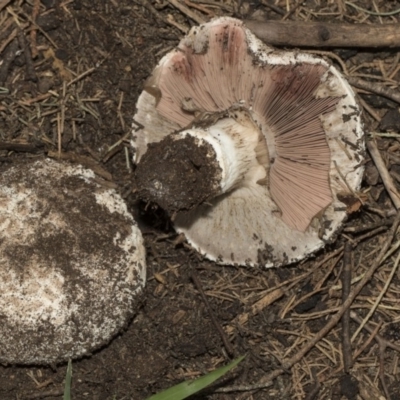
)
(284, 137)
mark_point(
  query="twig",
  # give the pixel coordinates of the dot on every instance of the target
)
(42, 395)
(376, 88)
(267, 300)
(320, 34)
(43, 32)
(9, 39)
(243, 388)
(274, 8)
(383, 172)
(200, 8)
(81, 76)
(8, 58)
(30, 69)
(379, 298)
(380, 340)
(382, 349)
(267, 379)
(35, 13)
(370, 234)
(346, 285)
(4, 3)
(19, 147)
(312, 394)
(383, 344)
(187, 11)
(152, 10)
(369, 109)
(380, 14)
(221, 332)
(365, 344)
(372, 336)
(364, 228)
(170, 19)
(292, 10)
(336, 318)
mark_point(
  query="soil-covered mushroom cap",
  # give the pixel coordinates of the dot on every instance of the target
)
(283, 134)
(72, 263)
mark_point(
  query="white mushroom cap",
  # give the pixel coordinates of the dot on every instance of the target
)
(311, 123)
(72, 263)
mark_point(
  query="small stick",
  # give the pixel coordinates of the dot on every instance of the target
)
(35, 13)
(379, 298)
(153, 11)
(380, 339)
(313, 393)
(8, 58)
(369, 109)
(382, 348)
(320, 34)
(292, 10)
(346, 285)
(48, 393)
(276, 9)
(370, 234)
(221, 332)
(368, 227)
(256, 308)
(3, 3)
(9, 39)
(376, 88)
(383, 344)
(187, 11)
(30, 69)
(383, 172)
(336, 318)
(19, 147)
(346, 304)
(365, 344)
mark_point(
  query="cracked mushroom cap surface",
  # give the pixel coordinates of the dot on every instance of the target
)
(311, 144)
(72, 263)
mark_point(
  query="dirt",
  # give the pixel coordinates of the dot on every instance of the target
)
(178, 174)
(107, 49)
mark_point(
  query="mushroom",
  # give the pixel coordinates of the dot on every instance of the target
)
(72, 263)
(248, 147)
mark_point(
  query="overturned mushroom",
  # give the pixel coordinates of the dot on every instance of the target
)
(72, 263)
(249, 146)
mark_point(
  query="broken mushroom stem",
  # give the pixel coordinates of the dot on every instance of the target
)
(220, 152)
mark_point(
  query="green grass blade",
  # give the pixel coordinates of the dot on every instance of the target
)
(67, 389)
(187, 388)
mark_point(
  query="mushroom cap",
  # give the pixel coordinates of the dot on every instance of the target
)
(311, 123)
(72, 263)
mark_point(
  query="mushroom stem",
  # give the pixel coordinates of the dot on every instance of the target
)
(190, 167)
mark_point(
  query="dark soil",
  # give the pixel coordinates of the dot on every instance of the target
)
(78, 95)
(178, 174)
